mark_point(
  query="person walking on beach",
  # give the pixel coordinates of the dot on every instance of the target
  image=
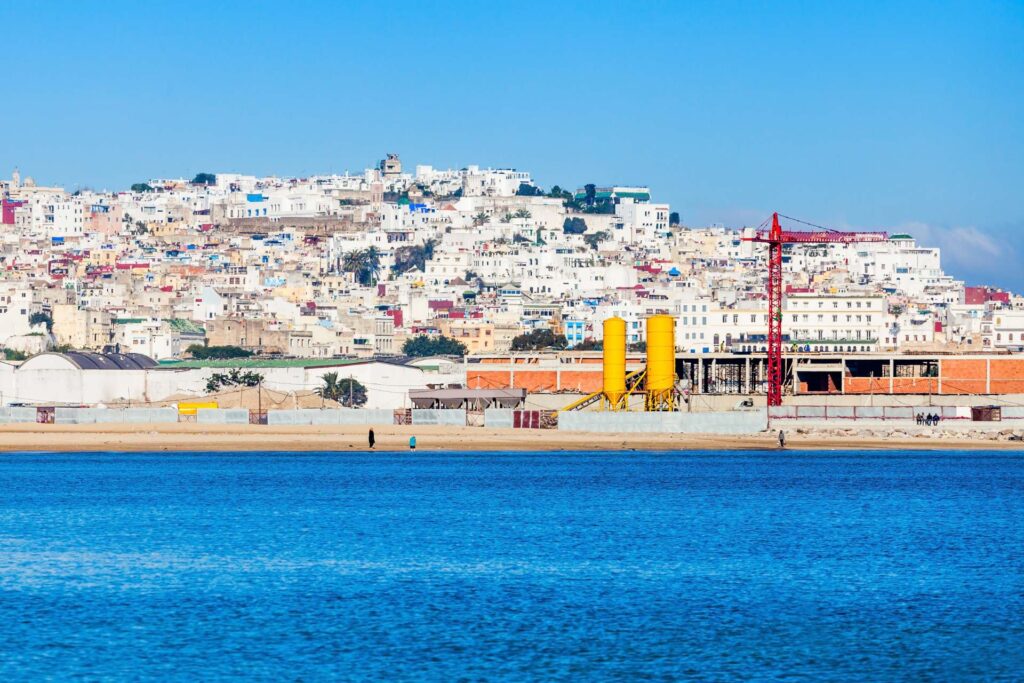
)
(412, 443)
(372, 439)
(782, 439)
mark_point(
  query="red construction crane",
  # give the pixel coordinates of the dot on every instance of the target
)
(775, 237)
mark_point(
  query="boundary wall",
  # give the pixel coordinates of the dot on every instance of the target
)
(498, 418)
(799, 412)
(17, 414)
(508, 418)
(219, 416)
(429, 416)
(734, 422)
(343, 416)
(88, 416)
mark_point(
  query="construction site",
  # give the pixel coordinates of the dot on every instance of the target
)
(664, 381)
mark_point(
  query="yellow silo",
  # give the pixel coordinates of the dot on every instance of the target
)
(614, 363)
(661, 362)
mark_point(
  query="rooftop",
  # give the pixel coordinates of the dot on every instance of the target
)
(230, 363)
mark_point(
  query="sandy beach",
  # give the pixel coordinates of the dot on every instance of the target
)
(194, 437)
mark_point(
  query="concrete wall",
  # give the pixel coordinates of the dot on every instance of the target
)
(831, 412)
(439, 417)
(80, 416)
(498, 418)
(16, 415)
(216, 416)
(330, 417)
(731, 422)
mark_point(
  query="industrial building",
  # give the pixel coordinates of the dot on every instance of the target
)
(745, 374)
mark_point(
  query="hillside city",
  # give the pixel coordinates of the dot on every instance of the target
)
(363, 265)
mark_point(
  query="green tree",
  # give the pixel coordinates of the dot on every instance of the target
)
(407, 258)
(538, 340)
(595, 238)
(589, 194)
(589, 345)
(349, 392)
(422, 345)
(202, 352)
(142, 187)
(41, 318)
(233, 378)
(14, 354)
(523, 213)
(673, 218)
(365, 263)
(528, 190)
(574, 226)
(479, 219)
(204, 179)
(559, 193)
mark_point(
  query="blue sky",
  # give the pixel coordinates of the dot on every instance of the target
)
(872, 115)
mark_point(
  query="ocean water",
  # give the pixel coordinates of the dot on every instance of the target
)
(432, 566)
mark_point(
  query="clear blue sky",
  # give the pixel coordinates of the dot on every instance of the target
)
(888, 115)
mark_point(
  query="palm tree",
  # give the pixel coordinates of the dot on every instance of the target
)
(479, 219)
(348, 392)
(523, 213)
(331, 388)
(365, 263)
(372, 264)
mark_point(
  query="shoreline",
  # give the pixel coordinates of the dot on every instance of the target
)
(180, 437)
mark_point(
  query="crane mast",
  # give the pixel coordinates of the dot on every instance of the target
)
(775, 237)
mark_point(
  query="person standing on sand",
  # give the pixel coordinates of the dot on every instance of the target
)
(372, 440)
(782, 439)
(412, 443)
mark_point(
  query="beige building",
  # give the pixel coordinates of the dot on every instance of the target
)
(477, 335)
(81, 328)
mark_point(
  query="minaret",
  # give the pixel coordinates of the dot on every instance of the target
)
(16, 178)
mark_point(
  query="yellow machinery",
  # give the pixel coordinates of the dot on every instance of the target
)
(614, 364)
(661, 363)
(657, 381)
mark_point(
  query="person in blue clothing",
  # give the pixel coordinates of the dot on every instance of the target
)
(412, 443)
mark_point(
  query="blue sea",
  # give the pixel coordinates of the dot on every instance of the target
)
(512, 566)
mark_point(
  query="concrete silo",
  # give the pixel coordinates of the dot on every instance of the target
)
(614, 386)
(661, 363)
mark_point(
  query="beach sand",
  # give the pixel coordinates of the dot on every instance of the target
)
(195, 437)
